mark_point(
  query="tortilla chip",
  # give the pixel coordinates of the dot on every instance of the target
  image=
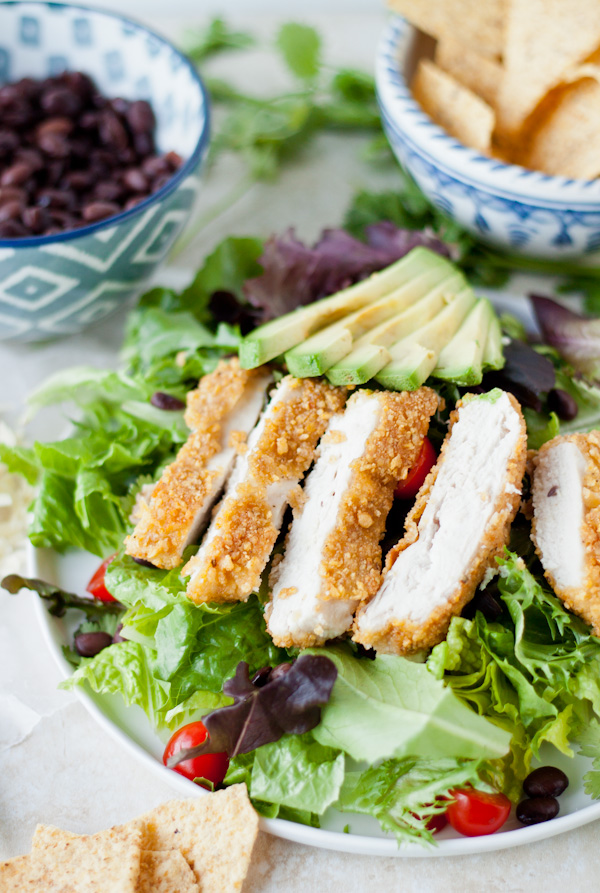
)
(565, 139)
(544, 38)
(68, 862)
(478, 23)
(166, 872)
(20, 875)
(479, 73)
(454, 107)
(215, 833)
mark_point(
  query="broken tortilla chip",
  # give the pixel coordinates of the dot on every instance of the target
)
(215, 833)
(544, 38)
(69, 862)
(478, 23)
(564, 140)
(166, 872)
(454, 107)
(479, 73)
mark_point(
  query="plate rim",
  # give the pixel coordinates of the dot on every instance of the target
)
(293, 831)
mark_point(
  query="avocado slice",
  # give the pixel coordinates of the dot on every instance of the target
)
(276, 337)
(461, 359)
(414, 358)
(371, 352)
(493, 356)
(322, 350)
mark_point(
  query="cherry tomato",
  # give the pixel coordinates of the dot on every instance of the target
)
(410, 486)
(474, 813)
(212, 766)
(96, 585)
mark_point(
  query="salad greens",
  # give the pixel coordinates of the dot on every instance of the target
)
(395, 735)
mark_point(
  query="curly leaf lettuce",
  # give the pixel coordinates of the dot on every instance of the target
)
(536, 675)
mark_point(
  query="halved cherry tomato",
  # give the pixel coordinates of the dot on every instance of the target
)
(211, 766)
(96, 585)
(410, 486)
(437, 822)
(474, 813)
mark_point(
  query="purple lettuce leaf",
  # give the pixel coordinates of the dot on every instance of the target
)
(526, 374)
(295, 274)
(575, 337)
(289, 701)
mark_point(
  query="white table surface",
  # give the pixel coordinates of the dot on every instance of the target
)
(56, 765)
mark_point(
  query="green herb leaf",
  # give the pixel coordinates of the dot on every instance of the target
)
(300, 46)
(215, 38)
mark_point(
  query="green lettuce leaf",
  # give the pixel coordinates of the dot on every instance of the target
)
(395, 707)
(536, 674)
(297, 772)
(403, 794)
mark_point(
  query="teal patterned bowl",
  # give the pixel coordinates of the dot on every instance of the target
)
(59, 284)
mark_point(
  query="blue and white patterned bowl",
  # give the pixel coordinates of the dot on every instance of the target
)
(508, 206)
(58, 285)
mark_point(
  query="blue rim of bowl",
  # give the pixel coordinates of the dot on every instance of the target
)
(184, 171)
(393, 31)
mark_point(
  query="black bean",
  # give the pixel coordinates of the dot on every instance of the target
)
(144, 144)
(63, 126)
(486, 603)
(61, 101)
(37, 219)
(9, 141)
(79, 181)
(140, 117)
(90, 644)
(279, 671)
(99, 211)
(11, 210)
(54, 144)
(134, 179)
(120, 106)
(16, 175)
(261, 677)
(537, 809)
(32, 157)
(12, 229)
(166, 401)
(155, 166)
(112, 132)
(79, 83)
(117, 636)
(144, 563)
(562, 404)
(174, 160)
(134, 201)
(547, 781)
(12, 194)
(108, 191)
(55, 198)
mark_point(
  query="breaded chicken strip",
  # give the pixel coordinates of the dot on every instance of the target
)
(280, 450)
(458, 525)
(332, 559)
(566, 520)
(221, 411)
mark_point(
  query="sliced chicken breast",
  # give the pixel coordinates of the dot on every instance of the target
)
(265, 481)
(332, 557)
(169, 515)
(566, 520)
(459, 523)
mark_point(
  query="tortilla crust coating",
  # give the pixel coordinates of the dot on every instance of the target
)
(350, 569)
(407, 637)
(581, 600)
(230, 568)
(164, 521)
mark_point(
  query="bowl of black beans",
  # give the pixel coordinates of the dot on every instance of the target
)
(103, 129)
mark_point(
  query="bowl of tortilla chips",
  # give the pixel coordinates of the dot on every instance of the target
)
(494, 109)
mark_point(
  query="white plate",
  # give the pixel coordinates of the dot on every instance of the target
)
(130, 727)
